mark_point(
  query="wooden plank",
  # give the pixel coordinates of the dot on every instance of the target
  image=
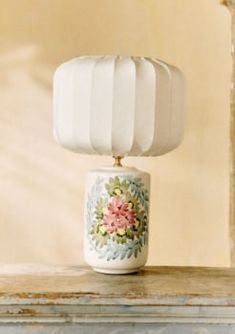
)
(118, 329)
(49, 294)
(150, 283)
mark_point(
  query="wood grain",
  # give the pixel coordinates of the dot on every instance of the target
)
(49, 294)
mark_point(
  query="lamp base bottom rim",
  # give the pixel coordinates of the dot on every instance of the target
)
(110, 271)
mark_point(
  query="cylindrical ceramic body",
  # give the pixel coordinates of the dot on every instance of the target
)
(116, 219)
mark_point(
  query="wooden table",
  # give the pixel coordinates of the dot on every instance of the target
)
(163, 300)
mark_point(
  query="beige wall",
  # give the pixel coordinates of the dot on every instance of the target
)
(42, 185)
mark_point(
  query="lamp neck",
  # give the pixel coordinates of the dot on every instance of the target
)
(117, 161)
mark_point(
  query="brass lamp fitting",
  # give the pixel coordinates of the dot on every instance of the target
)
(117, 161)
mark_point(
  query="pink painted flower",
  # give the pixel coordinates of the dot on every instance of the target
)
(119, 215)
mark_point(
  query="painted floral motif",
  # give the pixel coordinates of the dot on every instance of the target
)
(118, 217)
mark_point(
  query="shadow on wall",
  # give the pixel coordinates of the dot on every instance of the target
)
(50, 32)
(42, 185)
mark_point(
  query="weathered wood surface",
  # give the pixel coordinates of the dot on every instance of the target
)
(157, 300)
(118, 329)
(182, 285)
(79, 295)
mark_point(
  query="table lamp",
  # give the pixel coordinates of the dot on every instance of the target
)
(118, 106)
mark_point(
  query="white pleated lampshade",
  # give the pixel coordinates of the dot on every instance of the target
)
(116, 105)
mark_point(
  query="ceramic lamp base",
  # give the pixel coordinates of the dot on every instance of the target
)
(116, 220)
